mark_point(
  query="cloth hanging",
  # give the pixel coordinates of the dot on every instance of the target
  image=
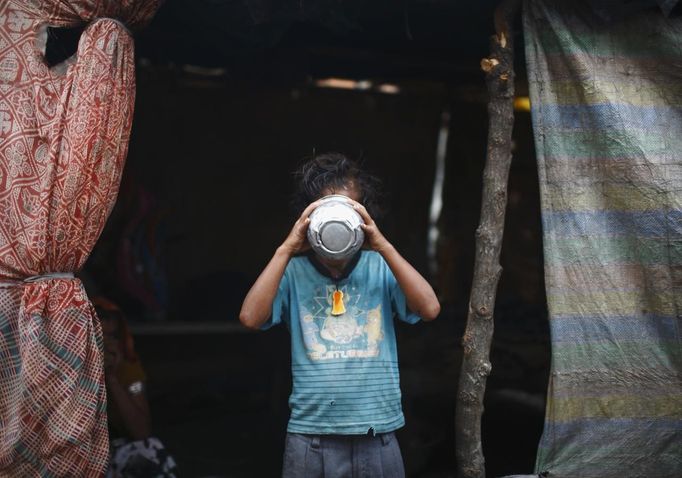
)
(63, 140)
(607, 119)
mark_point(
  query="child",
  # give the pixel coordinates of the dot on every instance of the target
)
(134, 453)
(345, 400)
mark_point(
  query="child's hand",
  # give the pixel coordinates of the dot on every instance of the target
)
(373, 236)
(297, 240)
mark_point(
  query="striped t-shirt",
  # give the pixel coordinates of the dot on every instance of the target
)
(343, 354)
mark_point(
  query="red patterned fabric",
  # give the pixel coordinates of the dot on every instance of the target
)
(63, 141)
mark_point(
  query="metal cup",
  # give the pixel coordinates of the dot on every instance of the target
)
(334, 231)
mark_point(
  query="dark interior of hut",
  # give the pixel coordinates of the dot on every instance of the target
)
(231, 96)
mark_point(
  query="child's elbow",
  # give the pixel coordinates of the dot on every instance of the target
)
(248, 321)
(430, 312)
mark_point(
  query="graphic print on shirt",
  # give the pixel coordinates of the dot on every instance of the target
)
(357, 333)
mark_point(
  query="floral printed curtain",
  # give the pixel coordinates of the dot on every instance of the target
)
(63, 141)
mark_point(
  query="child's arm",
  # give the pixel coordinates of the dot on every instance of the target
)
(421, 299)
(257, 306)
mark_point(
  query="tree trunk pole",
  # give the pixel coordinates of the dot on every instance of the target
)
(478, 335)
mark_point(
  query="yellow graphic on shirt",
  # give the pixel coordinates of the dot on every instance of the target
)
(337, 303)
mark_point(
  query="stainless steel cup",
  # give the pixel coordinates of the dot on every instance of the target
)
(334, 231)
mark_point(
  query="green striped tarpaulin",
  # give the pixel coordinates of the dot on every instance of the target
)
(607, 117)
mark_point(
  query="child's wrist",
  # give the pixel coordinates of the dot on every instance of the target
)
(383, 247)
(285, 250)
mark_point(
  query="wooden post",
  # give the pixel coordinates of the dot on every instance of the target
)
(476, 367)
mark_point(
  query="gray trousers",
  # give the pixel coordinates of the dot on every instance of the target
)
(342, 456)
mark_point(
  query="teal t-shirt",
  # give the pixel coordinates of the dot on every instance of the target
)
(344, 364)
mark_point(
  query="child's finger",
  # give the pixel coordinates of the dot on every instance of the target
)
(301, 227)
(305, 224)
(363, 212)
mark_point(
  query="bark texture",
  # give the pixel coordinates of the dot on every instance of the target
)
(478, 334)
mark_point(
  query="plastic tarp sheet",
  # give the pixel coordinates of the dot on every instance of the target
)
(607, 117)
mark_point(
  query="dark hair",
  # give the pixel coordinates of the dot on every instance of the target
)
(333, 171)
